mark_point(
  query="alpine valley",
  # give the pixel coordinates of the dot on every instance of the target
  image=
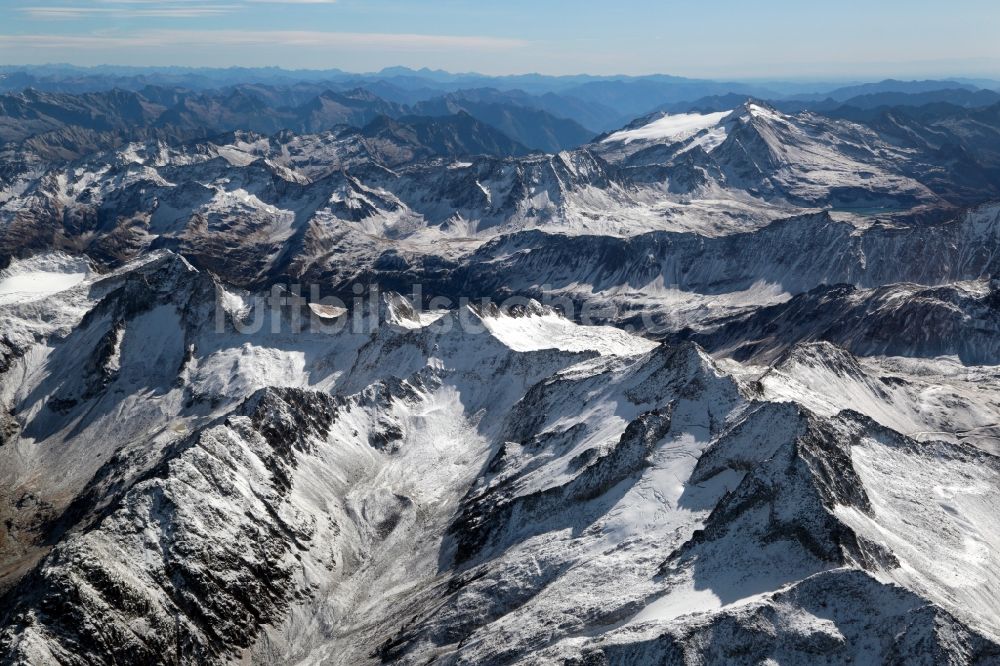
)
(423, 370)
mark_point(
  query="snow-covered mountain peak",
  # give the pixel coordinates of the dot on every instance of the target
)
(743, 365)
(819, 355)
(757, 110)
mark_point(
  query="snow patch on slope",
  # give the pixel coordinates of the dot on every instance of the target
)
(672, 127)
(551, 331)
(27, 280)
(935, 509)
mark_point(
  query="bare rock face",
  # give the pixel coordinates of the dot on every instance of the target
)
(219, 551)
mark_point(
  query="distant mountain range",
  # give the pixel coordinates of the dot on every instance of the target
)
(181, 113)
(48, 107)
(597, 103)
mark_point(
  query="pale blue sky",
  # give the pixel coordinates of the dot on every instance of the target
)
(720, 39)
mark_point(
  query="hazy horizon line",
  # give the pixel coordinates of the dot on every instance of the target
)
(840, 78)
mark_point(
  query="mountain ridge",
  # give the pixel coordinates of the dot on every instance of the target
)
(719, 385)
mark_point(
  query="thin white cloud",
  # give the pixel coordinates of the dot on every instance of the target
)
(332, 41)
(160, 3)
(166, 11)
(151, 8)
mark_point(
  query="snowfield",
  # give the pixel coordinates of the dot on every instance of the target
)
(41, 276)
(670, 128)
